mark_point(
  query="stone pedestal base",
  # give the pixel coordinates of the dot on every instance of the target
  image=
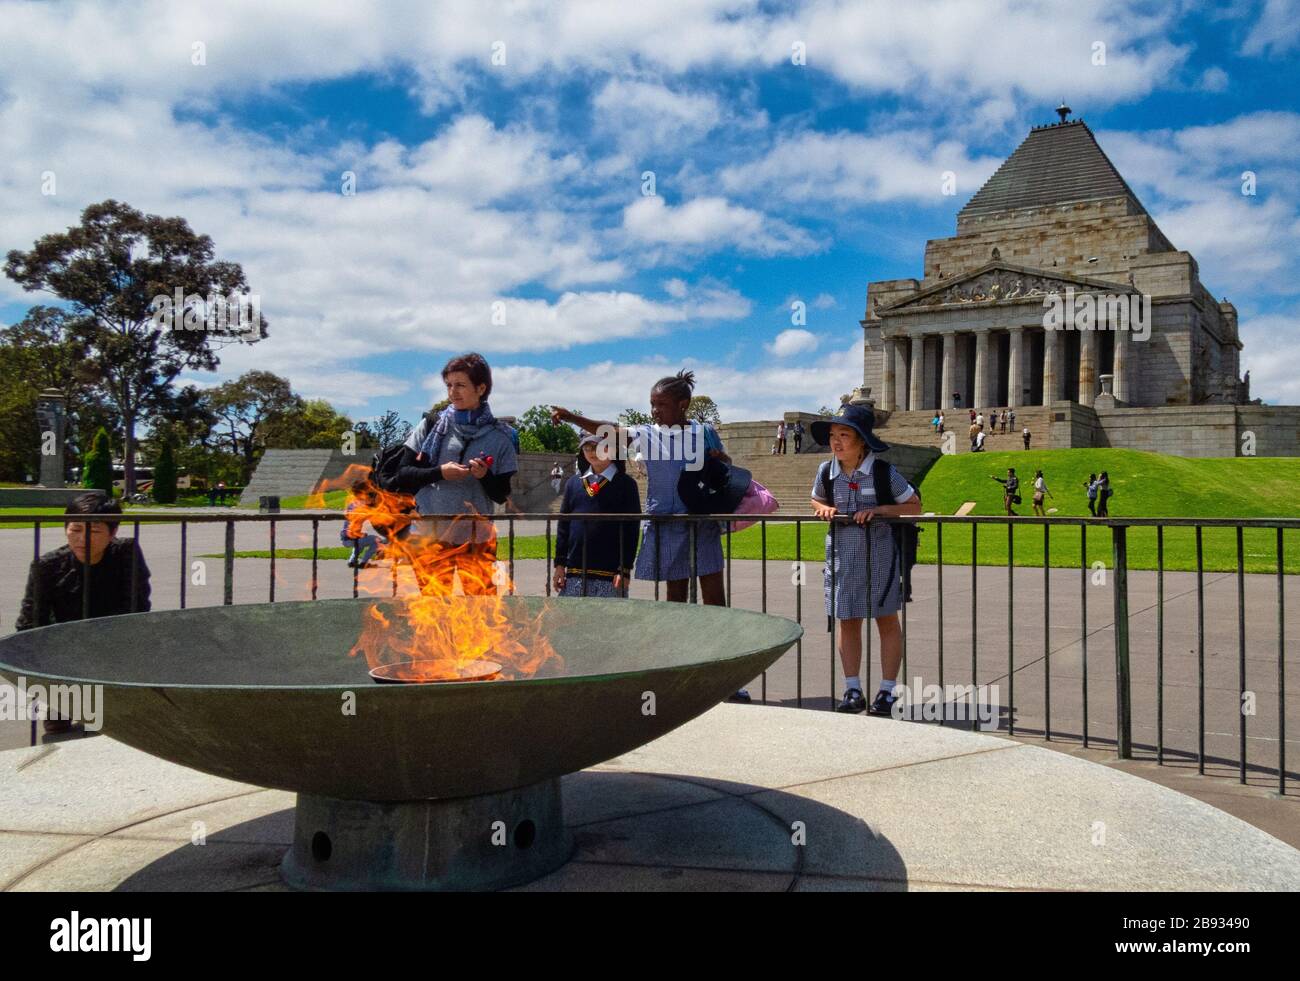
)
(467, 843)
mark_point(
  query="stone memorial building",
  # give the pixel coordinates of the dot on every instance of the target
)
(1055, 229)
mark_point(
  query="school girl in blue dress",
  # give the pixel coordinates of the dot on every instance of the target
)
(668, 445)
(849, 477)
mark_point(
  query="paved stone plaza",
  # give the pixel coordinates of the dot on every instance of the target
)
(742, 798)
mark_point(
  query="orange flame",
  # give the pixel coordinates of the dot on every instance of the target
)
(437, 634)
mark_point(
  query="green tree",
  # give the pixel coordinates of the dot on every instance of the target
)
(312, 424)
(702, 409)
(97, 466)
(537, 434)
(118, 270)
(245, 407)
(164, 476)
(634, 417)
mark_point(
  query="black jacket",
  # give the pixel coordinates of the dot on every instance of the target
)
(54, 586)
(413, 475)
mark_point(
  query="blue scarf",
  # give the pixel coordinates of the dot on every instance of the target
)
(465, 423)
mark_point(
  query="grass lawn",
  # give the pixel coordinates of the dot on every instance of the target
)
(1148, 485)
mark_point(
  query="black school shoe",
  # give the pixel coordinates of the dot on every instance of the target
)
(882, 704)
(854, 701)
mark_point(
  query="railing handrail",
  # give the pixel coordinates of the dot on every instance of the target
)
(201, 517)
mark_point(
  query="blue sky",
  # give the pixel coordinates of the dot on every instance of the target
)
(520, 184)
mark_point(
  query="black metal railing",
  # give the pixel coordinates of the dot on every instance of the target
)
(1122, 728)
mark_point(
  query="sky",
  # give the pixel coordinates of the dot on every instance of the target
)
(597, 194)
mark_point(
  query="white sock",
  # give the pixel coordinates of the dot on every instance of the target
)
(853, 682)
(887, 686)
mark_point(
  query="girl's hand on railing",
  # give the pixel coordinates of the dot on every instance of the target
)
(863, 516)
(824, 511)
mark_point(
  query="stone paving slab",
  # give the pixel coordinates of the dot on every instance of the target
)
(742, 798)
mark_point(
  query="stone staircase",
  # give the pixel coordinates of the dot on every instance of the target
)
(914, 429)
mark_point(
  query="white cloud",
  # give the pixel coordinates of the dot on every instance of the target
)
(791, 342)
(857, 168)
(764, 392)
(1276, 29)
(824, 301)
(644, 115)
(712, 223)
(1213, 79)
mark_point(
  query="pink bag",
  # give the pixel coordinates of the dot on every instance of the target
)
(757, 500)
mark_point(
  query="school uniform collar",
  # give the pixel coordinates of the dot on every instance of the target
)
(609, 473)
(863, 468)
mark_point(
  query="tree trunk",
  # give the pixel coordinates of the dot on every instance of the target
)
(128, 458)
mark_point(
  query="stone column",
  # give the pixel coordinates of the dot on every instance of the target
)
(887, 376)
(1122, 393)
(980, 398)
(1087, 367)
(948, 342)
(1014, 378)
(1051, 366)
(51, 413)
(916, 386)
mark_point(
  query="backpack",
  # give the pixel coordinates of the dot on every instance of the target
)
(384, 466)
(909, 534)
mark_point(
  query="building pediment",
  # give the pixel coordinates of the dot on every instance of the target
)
(999, 282)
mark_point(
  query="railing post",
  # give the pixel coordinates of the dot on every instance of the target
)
(229, 572)
(1123, 693)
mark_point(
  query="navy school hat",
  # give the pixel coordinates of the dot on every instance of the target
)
(856, 417)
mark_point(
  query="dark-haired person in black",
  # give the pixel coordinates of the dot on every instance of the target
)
(54, 581)
(604, 489)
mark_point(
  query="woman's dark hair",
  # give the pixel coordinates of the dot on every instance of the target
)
(92, 503)
(1038, 473)
(1092, 477)
(474, 366)
(680, 386)
(1105, 475)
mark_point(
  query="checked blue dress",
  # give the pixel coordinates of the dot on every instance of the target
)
(851, 544)
(664, 451)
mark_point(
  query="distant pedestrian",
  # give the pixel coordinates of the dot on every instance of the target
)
(980, 436)
(1010, 489)
(941, 423)
(798, 436)
(974, 431)
(1025, 435)
(1040, 488)
(557, 477)
(979, 420)
(362, 503)
(1005, 420)
(972, 417)
(1091, 485)
(1104, 494)
(934, 422)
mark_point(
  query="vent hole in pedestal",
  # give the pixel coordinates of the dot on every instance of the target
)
(525, 834)
(321, 846)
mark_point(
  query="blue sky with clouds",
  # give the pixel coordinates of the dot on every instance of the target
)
(518, 187)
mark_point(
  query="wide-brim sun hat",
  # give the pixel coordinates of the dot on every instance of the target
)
(858, 418)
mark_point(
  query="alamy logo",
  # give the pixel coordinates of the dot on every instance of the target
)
(1098, 311)
(237, 313)
(23, 702)
(103, 934)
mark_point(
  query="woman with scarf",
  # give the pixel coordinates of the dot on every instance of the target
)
(458, 462)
